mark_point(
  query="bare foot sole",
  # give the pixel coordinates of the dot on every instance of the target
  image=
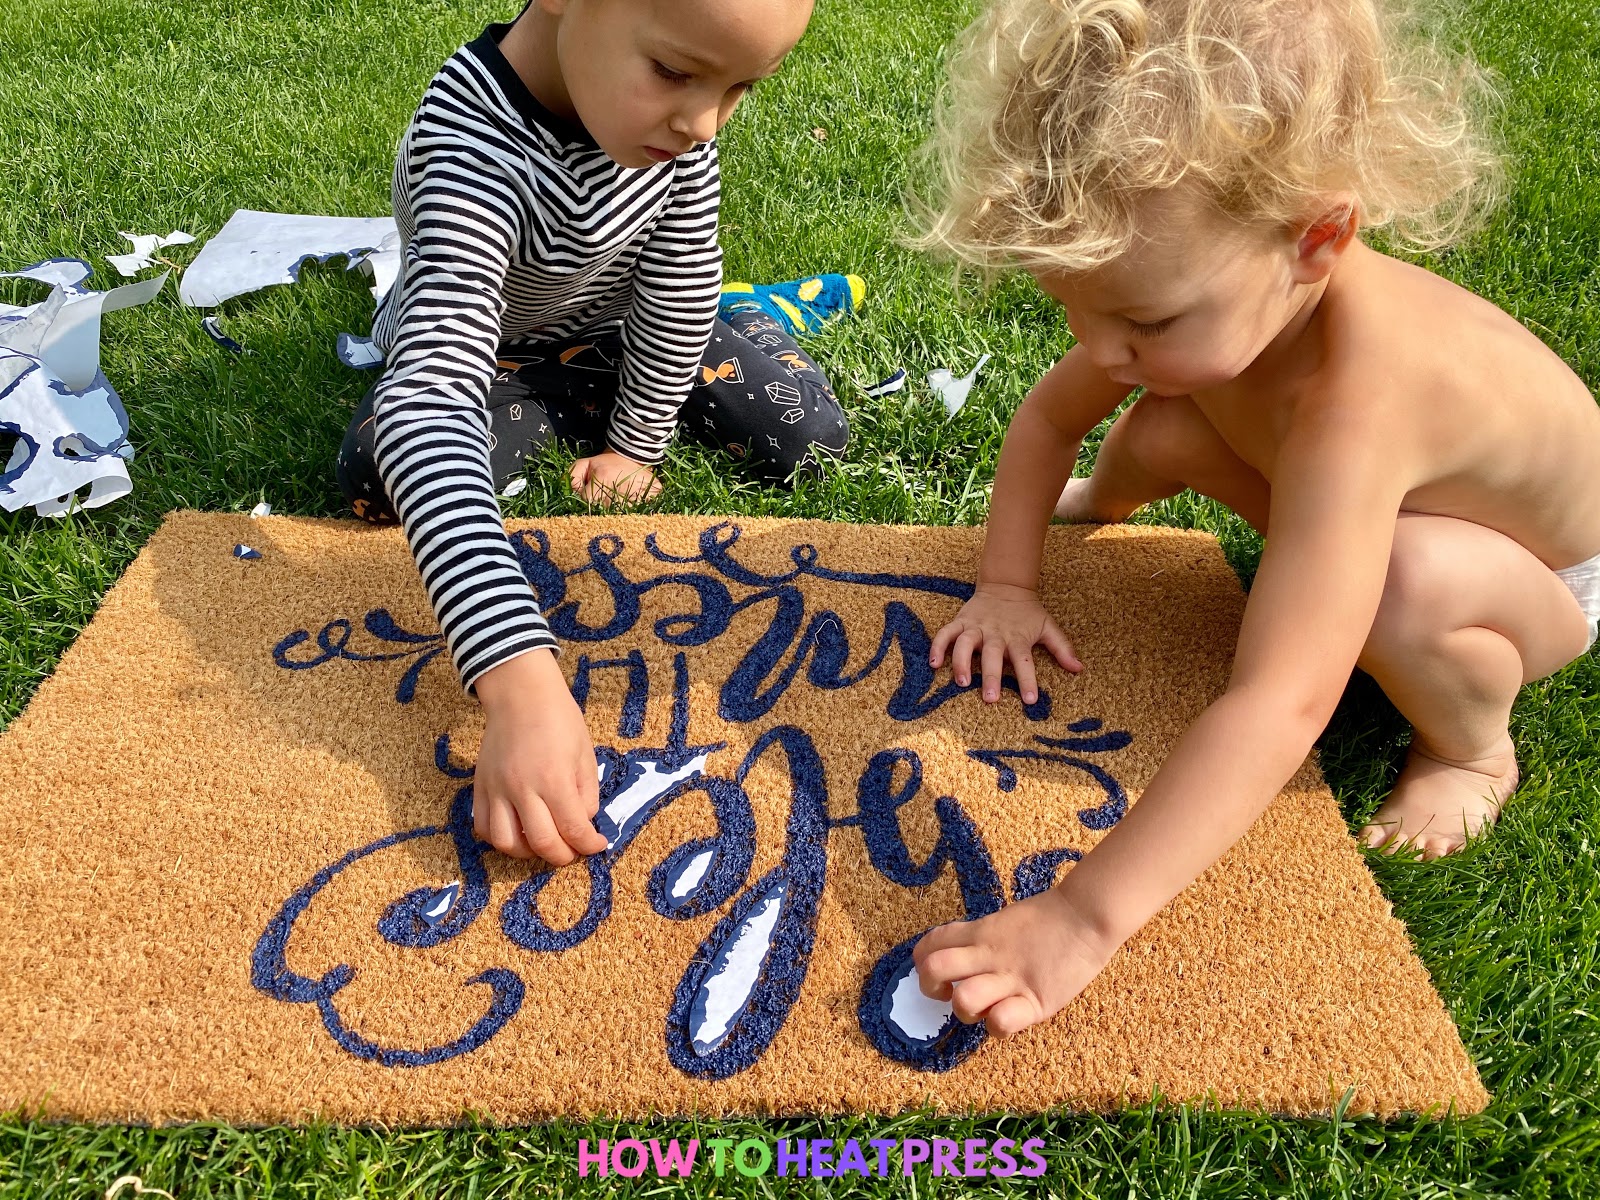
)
(1439, 806)
(1078, 506)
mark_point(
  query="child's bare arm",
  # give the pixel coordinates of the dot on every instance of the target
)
(1036, 460)
(1334, 505)
(1332, 525)
(1004, 618)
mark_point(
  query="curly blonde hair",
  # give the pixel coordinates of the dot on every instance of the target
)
(1060, 114)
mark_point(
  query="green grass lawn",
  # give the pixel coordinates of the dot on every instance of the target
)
(147, 115)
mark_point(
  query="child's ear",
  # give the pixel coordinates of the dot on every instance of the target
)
(1324, 239)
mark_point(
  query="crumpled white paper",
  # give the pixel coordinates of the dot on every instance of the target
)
(259, 249)
(358, 352)
(144, 247)
(66, 273)
(71, 428)
(952, 389)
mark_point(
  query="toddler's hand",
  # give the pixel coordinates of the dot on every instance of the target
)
(536, 788)
(1002, 622)
(611, 478)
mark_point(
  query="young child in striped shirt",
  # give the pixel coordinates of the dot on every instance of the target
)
(556, 194)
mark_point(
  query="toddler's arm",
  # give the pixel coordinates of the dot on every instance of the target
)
(1004, 618)
(1334, 504)
(1335, 499)
(677, 283)
(536, 782)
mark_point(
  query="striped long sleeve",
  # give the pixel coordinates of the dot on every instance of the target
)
(518, 229)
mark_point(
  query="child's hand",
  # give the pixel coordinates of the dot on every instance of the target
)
(610, 478)
(536, 788)
(1015, 967)
(1002, 622)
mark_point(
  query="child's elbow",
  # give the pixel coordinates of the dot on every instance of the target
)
(1301, 713)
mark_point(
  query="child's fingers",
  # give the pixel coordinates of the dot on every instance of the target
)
(952, 933)
(540, 831)
(1056, 642)
(505, 830)
(941, 970)
(1027, 683)
(961, 655)
(580, 476)
(480, 816)
(975, 995)
(1010, 1014)
(994, 667)
(589, 783)
(941, 641)
(574, 826)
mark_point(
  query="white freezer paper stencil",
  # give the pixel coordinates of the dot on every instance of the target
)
(144, 247)
(68, 273)
(71, 428)
(952, 389)
(259, 249)
(357, 352)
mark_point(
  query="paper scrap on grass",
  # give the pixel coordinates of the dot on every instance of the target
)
(213, 328)
(260, 249)
(889, 386)
(953, 389)
(144, 247)
(358, 352)
(66, 273)
(71, 428)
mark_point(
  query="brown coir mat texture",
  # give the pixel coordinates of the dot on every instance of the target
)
(237, 876)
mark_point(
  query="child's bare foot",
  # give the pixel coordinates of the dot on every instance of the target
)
(1437, 806)
(1080, 505)
(1013, 968)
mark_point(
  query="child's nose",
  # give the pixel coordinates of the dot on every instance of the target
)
(698, 123)
(1108, 352)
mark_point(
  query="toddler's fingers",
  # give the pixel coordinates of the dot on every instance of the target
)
(1010, 1014)
(480, 816)
(505, 830)
(577, 830)
(944, 968)
(589, 783)
(1027, 683)
(994, 666)
(1056, 642)
(540, 831)
(975, 995)
(961, 655)
(952, 933)
(941, 642)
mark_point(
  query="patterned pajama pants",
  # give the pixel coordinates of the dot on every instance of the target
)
(759, 397)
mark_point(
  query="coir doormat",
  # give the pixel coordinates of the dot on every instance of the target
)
(238, 878)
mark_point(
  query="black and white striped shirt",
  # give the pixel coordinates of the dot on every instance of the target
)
(518, 228)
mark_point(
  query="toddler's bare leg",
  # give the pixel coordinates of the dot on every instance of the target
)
(1468, 616)
(1156, 448)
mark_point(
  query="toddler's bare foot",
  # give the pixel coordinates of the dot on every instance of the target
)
(1013, 968)
(1079, 505)
(1437, 806)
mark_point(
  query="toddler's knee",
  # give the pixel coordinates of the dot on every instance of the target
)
(1414, 593)
(1160, 431)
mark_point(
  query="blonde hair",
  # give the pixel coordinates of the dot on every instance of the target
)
(1060, 114)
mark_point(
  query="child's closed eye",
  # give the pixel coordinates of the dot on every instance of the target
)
(668, 73)
(1153, 329)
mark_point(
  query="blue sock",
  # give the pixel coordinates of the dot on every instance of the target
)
(800, 305)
